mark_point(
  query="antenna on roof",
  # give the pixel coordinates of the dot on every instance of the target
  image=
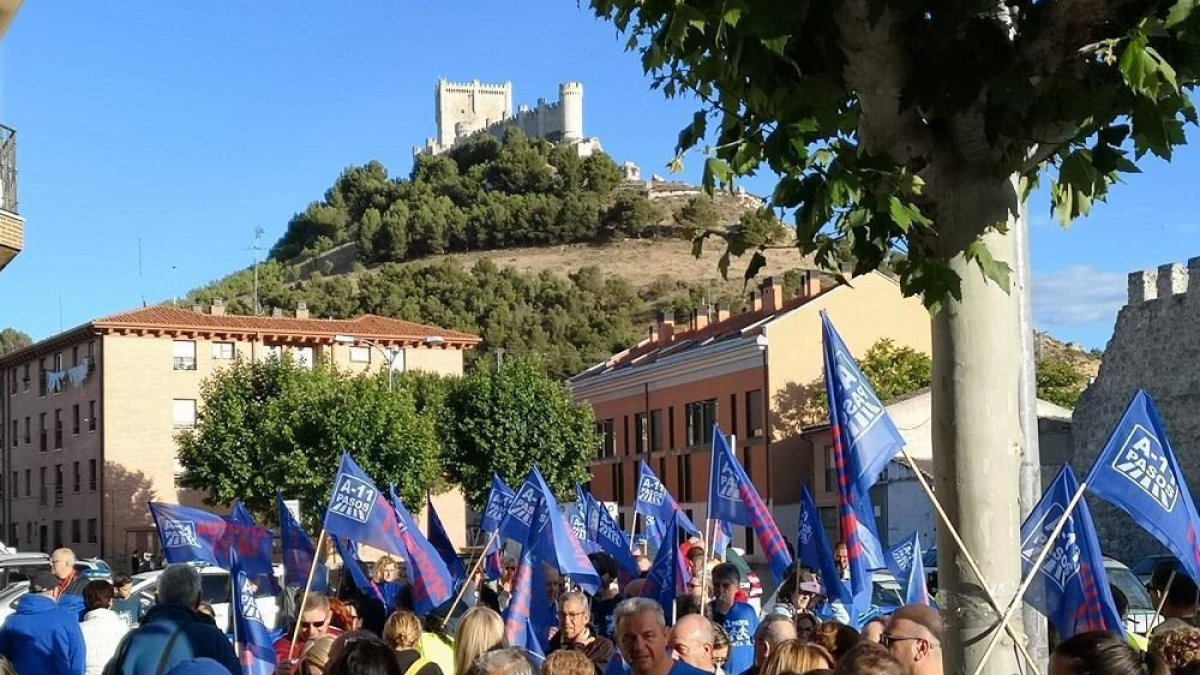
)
(258, 233)
(141, 282)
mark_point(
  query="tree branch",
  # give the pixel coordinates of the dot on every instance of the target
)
(877, 68)
(1058, 29)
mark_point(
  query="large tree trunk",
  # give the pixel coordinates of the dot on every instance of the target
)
(977, 440)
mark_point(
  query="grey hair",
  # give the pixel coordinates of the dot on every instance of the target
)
(631, 606)
(508, 660)
(180, 584)
(776, 629)
(575, 596)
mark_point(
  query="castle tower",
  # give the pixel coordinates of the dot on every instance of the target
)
(571, 97)
(469, 106)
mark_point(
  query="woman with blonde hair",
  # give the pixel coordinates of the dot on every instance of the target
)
(793, 657)
(316, 656)
(402, 632)
(386, 578)
(480, 630)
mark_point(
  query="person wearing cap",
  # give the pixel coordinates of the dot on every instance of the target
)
(41, 637)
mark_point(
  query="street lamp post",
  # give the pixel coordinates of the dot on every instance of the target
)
(389, 356)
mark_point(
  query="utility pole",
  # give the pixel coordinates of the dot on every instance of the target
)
(258, 233)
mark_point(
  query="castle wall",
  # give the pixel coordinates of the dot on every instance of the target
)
(1156, 347)
(464, 110)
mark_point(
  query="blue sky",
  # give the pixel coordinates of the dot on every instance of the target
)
(188, 126)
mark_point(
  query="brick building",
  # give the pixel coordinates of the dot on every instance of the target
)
(88, 417)
(750, 372)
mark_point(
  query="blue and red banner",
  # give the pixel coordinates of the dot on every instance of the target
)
(442, 544)
(255, 648)
(431, 582)
(359, 511)
(668, 576)
(298, 552)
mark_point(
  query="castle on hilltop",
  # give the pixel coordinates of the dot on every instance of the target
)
(1155, 346)
(466, 109)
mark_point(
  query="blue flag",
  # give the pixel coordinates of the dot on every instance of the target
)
(497, 505)
(668, 576)
(253, 545)
(526, 623)
(814, 551)
(610, 537)
(299, 552)
(1137, 471)
(431, 582)
(905, 563)
(359, 511)
(864, 441)
(577, 520)
(255, 648)
(722, 538)
(348, 550)
(519, 517)
(187, 534)
(1072, 587)
(657, 505)
(558, 546)
(239, 514)
(442, 544)
(733, 498)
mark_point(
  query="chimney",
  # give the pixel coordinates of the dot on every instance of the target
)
(722, 311)
(755, 300)
(666, 327)
(302, 310)
(812, 284)
(277, 312)
(198, 308)
(218, 307)
(654, 333)
(700, 317)
(772, 295)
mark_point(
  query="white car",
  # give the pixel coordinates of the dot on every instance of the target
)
(215, 590)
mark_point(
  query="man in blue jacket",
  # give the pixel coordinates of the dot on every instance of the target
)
(739, 619)
(42, 637)
(172, 632)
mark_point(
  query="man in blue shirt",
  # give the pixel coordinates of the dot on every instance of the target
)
(739, 619)
(42, 637)
(642, 637)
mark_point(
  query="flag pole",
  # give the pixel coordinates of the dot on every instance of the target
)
(633, 525)
(474, 571)
(937, 505)
(1033, 572)
(304, 598)
(1161, 602)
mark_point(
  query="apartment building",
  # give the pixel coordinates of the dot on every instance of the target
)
(12, 225)
(88, 417)
(657, 401)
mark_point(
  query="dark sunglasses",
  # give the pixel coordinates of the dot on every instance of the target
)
(887, 639)
(315, 624)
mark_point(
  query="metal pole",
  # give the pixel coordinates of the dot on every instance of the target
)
(1031, 470)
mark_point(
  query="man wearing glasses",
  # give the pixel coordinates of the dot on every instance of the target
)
(315, 622)
(914, 635)
(574, 620)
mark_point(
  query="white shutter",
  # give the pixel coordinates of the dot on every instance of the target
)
(183, 413)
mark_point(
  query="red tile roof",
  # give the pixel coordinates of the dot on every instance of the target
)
(367, 325)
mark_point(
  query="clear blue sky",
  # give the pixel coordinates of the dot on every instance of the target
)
(188, 126)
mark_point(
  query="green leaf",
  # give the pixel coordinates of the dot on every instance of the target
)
(717, 170)
(1139, 68)
(997, 271)
(732, 16)
(692, 133)
(776, 45)
(905, 214)
(1181, 12)
(757, 262)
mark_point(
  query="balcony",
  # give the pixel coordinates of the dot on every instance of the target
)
(12, 225)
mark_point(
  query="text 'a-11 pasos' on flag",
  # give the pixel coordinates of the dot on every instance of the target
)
(906, 564)
(559, 546)
(668, 576)
(814, 551)
(734, 499)
(610, 537)
(530, 614)
(1071, 588)
(255, 648)
(429, 580)
(299, 552)
(498, 502)
(359, 511)
(187, 534)
(1138, 472)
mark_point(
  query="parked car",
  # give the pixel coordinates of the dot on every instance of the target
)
(19, 567)
(215, 590)
(9, 597)
(1140, 617)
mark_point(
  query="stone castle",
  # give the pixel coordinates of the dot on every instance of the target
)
(1155, 346)
(466, 109)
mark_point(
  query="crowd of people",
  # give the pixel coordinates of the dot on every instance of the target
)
(69, 625)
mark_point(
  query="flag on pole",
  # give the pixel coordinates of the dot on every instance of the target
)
(528, 617)
(909, 569)
(252, 543)
(187, 534)
(657, 505)
(1137, 471)
(611, 538)
(814, 551)
(668, 576)
(298, 552)
(348, 550)
(442, 544)
(1072, 587)
(722, 538)
(497, 505)
(431, 582)
(558, 546)
(733, 498)
(361, 512)
(255, 648)
(239, 514)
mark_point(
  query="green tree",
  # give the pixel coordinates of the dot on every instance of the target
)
(1059, 381)
(632, 214)
(507, 420)
(266, 425)
(12, 339)
(600, 174)
(698, 216)
(924, 126)
(893, 371)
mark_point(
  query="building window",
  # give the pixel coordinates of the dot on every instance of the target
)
(360, 355)
(43, 491)
(303, 357)
(625, 434)
(58, 361)
(42, 430)
(754, 413)
(58, 485)
(91, 415)
(183, 413)
(272, 352)
(26, 388)
(27, 425)
(75, 356)
(41, 377)
(830, 470)
(28, 484)
(183, 353)
(700, 417)
(75, 420)
(607, 432)
(656, 430)
(58, 534)
(75, 531)
(77, 480)
(12, 383)
(222, 351)
(15, 487)
(92, 475)
(58, 429)
(619, 475)
(14, 434)
(641, 432)
(91, 531)
(29, 533)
